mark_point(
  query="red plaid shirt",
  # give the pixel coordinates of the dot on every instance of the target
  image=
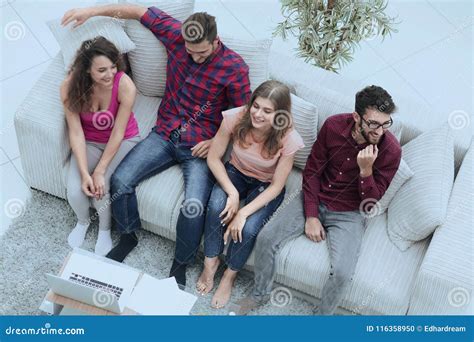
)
(332, 174)
(195, 94)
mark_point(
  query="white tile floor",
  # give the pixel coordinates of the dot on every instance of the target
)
(428, 60)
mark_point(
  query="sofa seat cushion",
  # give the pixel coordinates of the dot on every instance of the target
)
(159, 196)
(384, 276)
(159, 200)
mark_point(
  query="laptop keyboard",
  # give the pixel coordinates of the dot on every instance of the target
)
(95, 284)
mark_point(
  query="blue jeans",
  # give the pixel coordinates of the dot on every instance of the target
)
(148, 158)
(249, 188)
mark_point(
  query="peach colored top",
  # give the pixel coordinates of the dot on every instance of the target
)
(249, 160)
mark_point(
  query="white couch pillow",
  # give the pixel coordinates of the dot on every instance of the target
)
(305, 121)
(326, 100)
(70, 39)
(148, 60)
(421, 203)
(255, 54)
(404, 173)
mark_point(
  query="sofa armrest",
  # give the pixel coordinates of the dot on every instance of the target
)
(41, 132)
(445, 282)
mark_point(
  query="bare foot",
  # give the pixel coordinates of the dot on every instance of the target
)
(222, 295)
(205, 282)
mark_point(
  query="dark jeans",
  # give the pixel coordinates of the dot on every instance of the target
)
(148, 158)
(249, 188)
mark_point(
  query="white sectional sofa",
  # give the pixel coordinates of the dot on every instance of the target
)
(433, 276)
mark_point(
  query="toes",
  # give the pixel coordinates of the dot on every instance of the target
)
(201, 287)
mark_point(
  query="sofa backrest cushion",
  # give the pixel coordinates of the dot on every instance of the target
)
(404, 173)
(70, 40)
(421, 203)
(305, 121)
(148, 60)
(255, 55)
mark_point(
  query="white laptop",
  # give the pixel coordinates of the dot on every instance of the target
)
(96, 282)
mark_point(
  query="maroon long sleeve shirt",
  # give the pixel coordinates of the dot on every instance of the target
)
(332, 175)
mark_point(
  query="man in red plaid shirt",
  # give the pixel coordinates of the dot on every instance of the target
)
(204, 77)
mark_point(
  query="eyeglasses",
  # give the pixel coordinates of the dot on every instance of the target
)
(375, 125)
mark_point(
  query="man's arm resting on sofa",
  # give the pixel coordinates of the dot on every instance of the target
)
(121, 11)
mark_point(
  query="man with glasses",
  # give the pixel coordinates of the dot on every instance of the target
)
(351, 165)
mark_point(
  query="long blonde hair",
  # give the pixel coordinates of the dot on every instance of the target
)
(279, 94)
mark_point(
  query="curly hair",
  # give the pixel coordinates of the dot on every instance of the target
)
(80, 85)
(374, 97)
(279, 94)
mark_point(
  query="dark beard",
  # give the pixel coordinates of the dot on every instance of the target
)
(364, 133)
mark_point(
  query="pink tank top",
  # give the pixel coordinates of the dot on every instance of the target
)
(97, 126)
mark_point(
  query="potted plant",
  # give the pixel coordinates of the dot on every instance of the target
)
(329, 30)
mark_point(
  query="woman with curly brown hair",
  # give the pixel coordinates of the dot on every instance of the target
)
(98, 98)
(264, 144)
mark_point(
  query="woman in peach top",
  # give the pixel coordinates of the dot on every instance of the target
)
(264, 144)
